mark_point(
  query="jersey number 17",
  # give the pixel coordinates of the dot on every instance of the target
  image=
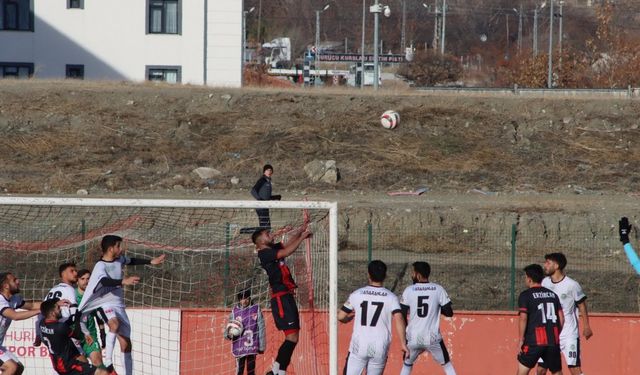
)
(376, 314)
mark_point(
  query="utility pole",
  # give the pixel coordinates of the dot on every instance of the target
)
(535, 32)
(444, 24)
(436, 27)
(346, 45)
(560, 29)
(376, 52)
(364, 8)
(506, 53)
(259, 22)
(403, 37)
(550, 72)
(520, 30)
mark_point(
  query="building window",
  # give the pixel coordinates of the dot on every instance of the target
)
(16, 15)
(170, 74)
(16, 70)
(164, 16)
(75, 71)
(75, 4)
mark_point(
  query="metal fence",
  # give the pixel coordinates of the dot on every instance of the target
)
(481, 267)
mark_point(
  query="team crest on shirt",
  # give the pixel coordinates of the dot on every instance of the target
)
(563, 296)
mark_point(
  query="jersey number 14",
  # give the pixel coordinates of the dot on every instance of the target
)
(549, 313)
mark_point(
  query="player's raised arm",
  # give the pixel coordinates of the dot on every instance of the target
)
(19, 315)
(140, 261)
(624, 229)
(292, 245)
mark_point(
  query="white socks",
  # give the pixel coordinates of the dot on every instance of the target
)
(109, 346)
(448, 369)
(406, 370)
(128, 363)
(275, 368)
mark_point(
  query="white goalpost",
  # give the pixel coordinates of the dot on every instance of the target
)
(179, 309)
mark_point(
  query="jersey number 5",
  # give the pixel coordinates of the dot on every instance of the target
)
(423, 306)
(376, 314)
(549, 314)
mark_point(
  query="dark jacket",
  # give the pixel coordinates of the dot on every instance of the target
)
(262, 189)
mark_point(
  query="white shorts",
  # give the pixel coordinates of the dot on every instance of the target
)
(570, 348)
(107, 313)
(356, 365)
(438, 352)
(6, 355)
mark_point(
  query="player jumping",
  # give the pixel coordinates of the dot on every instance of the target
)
(425, 301)
(10, 301)
(283, 302)
(57, 335)
(541, 321)
(373, 307)
(90, 344)
(64, 290)
(571, 296)
(105, 294)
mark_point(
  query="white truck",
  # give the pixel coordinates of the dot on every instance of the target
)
(279, 53)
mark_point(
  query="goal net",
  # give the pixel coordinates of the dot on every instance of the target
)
(179, 310)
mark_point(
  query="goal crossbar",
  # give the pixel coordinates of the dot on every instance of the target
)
(332, 207)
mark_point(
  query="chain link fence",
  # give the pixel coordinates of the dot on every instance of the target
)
(481, 266)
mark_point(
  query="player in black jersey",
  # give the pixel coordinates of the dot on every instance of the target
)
(283, 303)
(64, 355)
(541, 321)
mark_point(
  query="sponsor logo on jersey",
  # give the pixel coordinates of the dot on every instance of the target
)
(374, 293)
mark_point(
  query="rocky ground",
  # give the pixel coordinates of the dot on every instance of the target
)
(553, 167)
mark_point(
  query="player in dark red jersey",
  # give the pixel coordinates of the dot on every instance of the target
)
(541, 321)
(57, 337)
(283, 302)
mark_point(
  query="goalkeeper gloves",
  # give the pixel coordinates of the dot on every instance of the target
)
(624, 228)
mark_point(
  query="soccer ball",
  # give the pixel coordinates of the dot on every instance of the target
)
(390, 119)
(234, 328)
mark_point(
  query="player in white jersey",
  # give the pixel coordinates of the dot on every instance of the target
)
(63, 291)
(572, 298)
(105, 295)
(374, 308)
(425, 301)
(10, 301)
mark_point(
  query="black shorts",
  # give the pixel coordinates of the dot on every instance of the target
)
(285, 312)
(74, 367)
(529, 356)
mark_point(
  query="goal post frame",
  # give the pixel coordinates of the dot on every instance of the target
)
(332, 207)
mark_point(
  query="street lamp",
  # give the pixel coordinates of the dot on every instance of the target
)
(244, 38)
(317, 57)
(376, 9)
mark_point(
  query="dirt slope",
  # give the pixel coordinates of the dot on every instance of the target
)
(58, 137)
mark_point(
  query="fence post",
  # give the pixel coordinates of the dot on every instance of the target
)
(227, 268)
(369, 242)
(512, 302)
(83, 249)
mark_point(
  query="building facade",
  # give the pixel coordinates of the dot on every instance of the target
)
(181, 41)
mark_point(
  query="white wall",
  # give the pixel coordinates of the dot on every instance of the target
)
(109, 37)
(224, 43)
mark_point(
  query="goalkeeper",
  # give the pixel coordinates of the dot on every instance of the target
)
(252, 341)
(625, 228)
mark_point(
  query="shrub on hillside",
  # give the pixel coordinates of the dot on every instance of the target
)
(429, 68)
